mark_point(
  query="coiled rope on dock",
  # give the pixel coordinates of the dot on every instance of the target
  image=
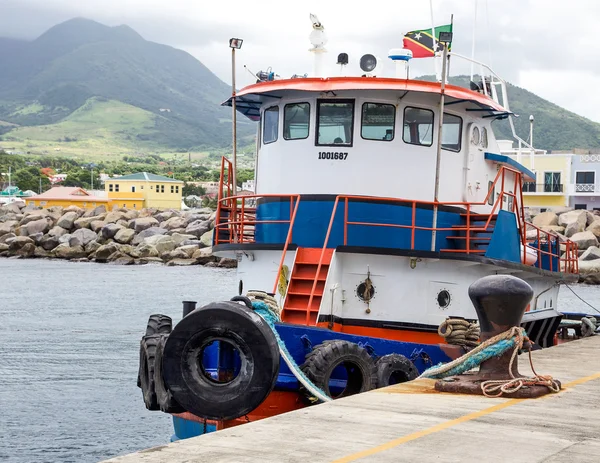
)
(514, 338)
(589, 325)
(460, 332)
(271, 315)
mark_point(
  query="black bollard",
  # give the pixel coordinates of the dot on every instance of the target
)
(188, 306)
(500, 302)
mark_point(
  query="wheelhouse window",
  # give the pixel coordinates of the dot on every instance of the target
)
(296, 120)
(452, 132)
(335, 122)
(378, 121)
(270, 124)
(418, 126)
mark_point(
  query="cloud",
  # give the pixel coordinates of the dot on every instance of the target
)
(551, 40)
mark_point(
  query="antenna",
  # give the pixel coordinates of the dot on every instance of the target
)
(473, 39)
(318, 39)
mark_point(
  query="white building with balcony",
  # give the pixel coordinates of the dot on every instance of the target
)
(584, 187)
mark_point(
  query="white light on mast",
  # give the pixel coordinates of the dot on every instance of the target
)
(318, 39)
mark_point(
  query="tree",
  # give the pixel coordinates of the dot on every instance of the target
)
(191, 189)
(29, 179)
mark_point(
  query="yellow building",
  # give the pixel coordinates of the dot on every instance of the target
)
(68, 196)
(143, 189)
(553, 172)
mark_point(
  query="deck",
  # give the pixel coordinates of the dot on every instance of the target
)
(410, 422)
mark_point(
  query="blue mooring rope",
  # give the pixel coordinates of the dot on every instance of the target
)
(271, 318)
(494, 350)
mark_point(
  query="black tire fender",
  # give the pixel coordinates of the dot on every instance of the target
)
(394, 369)
(257, 347)
(164, 398)
(326, 357)
(157, 324)
(146, 375)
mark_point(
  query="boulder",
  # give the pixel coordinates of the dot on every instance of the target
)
(198, 228)
(85, 222)
(8, 227)
(124, 223)
(57, 231)
(207, 238)
(545, 219)
(10, 208)
(41, 252)
(177, 254)
(27, 250)
(6, 237)
(578, 218)
(64, 251)
(85, 236)
(589, 266)
(36, 226)
(591, 253)
(181, 262)
(37, 238)
(131, 214)
(562, 210)
(594, 227)
(3, 247)
(110, 230)
(114, 216)
(124, 235)
(203, 256)
(164, 244)
(49, 242)
(166, 215)
(591, 278)
(126, 249)
(571, 229)
(554, 229)
(193, 242)
(18, 242)
(92, 246)
(227, 263)
(32, 216)
(79, 211)
(74, 241)
(146, 250)
(96, 225)
(179, 238)
(154, 231)
(67, 220)
(64, 239)
(105, 251)
(198, 216)
(188, 249)
(143, 223)
(148, 260)
(585, 239)
(590, 217)
(175, 222)
(95, 212)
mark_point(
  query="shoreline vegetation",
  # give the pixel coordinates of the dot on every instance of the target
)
(121, 236)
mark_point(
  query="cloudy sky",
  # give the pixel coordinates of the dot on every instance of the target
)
(545, 46)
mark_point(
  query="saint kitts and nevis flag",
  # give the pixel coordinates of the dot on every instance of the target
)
(420, 42)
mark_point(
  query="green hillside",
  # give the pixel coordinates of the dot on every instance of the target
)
(57, 73)
(555, 128)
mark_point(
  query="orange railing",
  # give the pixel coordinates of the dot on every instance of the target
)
(240, 224)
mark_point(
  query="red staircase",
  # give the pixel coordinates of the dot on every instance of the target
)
(479, 235)
(302, 279)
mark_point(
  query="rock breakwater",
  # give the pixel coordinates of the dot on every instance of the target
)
(121, 236)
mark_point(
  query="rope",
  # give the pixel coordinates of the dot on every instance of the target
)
(581, 299)
(588, 326)
(266, 298)
(271, 316)
(459, 332)
(495, 347)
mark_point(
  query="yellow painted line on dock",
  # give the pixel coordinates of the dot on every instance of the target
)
(448, 424)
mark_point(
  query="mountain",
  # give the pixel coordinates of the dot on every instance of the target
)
(79, 61)
(554, 128)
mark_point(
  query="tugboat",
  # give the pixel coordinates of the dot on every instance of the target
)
(379, 200)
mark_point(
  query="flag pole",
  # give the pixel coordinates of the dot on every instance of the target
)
(451, 30)
(473, 41)
(436, 64)
(439, 149)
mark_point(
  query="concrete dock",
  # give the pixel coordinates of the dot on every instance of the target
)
(411, 422)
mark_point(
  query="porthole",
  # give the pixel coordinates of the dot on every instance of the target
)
(365, 291)
(475, 136)
(484, 137)
(444, 299)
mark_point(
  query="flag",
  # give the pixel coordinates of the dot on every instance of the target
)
(421, 42)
